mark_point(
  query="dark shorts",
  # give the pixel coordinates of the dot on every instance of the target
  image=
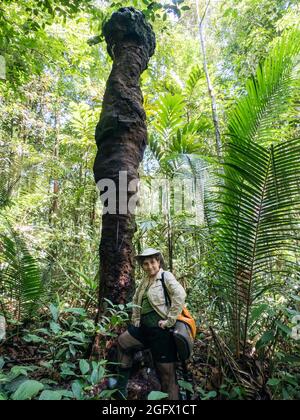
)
(160, 342)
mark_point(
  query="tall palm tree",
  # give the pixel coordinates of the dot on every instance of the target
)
(258, 206)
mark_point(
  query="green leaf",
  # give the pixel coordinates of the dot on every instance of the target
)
(194, 77)
(106, 394)
(290, 359)
(186, 385)
(211, 394)
(55, 327)
(50, 396)
(66, 370)
(266, 339)
(31, 338)
(27, 390)
(2, 362)
(101, 372)
(269, 93)
(84, 366)
(15, 383)
(22, 271)
(54, 312)
(72, 350)
(76, 311)
(258, 311)
(66, 393)
(157, 395)
(274, 382)
(44, 331)
(20, 370)
(284, 328)
(97, 375)
(77, 390)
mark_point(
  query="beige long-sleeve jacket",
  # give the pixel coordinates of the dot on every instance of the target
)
(156, 298)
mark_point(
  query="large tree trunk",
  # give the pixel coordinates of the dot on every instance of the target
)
(121, 137)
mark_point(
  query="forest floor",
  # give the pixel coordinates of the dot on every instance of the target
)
(211, 374)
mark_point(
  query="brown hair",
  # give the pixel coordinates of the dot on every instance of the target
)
(158, 257)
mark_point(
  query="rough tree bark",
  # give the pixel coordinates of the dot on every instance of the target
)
(121, 137)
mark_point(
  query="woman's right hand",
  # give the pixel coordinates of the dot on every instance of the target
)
(162, 324)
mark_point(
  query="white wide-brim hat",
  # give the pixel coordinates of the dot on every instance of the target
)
(148, 252)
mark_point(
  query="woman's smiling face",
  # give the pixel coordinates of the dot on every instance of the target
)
(151, 266)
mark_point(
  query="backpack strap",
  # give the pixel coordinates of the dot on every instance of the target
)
(167, 296)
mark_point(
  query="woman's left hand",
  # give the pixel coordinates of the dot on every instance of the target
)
(162, 324)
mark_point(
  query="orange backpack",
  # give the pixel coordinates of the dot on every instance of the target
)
(187, 318)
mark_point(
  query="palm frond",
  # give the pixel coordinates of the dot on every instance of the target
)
(180, 147)
(20, 277)
(187, 139)
(270, 93)
(83, 121)
(11, 169)
(170, 110)
(257, 209)
(259, 221)
(195, 76)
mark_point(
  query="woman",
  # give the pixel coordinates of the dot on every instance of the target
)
(151, 320)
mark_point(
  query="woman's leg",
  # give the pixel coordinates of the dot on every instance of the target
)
(164, 352)
(167, 374)
(126, 346)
